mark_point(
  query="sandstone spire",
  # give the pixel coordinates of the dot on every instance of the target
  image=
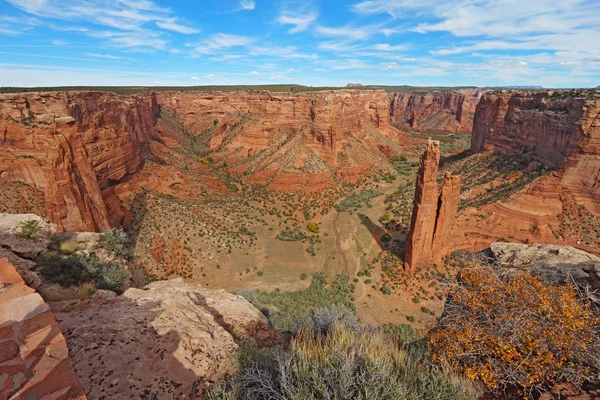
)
(433, 211)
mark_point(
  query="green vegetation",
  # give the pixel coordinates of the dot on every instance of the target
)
(356, 199)
(292, 311)
(116, 243)
(29, 229)
(69, 247)
(79, 269)
(404, 333)
(342, 363)
(313, 227)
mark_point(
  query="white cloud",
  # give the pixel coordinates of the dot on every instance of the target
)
(300, 22)
(279, 77)
(171, 25)
(210, 75)
(222, 41)
(107, 56)
(247, 5)
(319, 69)
(389, 47)
(388, 66)
(59, 42)
(253, 73)
(346, 32)
(194, 78)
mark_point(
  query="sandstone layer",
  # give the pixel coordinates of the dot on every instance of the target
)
(433, 212)
(34, 359)
(554, 130)
(168, 340)
(73, 147)
(450, 112)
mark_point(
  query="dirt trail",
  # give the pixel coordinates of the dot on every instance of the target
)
(338, 244)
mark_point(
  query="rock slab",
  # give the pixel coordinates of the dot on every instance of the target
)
(168, 340)
(34, 359)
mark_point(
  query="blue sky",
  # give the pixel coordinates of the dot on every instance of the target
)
(553, 43)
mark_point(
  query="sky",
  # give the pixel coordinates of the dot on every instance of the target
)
(551, 43)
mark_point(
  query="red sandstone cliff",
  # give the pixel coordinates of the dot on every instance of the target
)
(74, 147)
(560, 130)
(433, 212)
(438, 111)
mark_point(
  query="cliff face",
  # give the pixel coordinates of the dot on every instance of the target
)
(73, 147)
(34, 358)
(289, 141)
(440, 111)
(433, 211)
(558, 131)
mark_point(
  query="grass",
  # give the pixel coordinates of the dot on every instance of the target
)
(291, 311)
(342, 364)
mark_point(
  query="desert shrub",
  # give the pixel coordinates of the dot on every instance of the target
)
(69, 247)
(292, 311)
(340, 365)
(303, 276)
(29, 229)
(313, 227)
(404, 333)
(324, 320)
(386, 237)
(510, 330)
(79, 268)
(116, 243)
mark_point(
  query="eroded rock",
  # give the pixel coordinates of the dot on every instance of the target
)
(167, 340)
(34, 359)
(28, 247)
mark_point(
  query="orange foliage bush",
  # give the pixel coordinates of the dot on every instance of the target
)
(512, 330)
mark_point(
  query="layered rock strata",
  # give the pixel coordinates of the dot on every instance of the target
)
(34, 359)
(74, 146)
(433, 212)
(450, 112)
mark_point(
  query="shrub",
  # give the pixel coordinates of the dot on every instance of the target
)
(116, 243)
(340, 365)
(29, 229)
(78, 269)
(404, 333)
(313, 227)
(386, 237)
(512, 330)
(69, 247)
(303, 276)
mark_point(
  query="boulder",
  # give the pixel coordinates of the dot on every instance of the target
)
(34, 359)
(28, 247)
(553, 263)
(168, 340)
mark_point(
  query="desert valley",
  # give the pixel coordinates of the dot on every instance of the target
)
(299, 200)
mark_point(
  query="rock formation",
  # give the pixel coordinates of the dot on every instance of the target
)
(168, 340)
(555, 264)
(34, 359)
(441, 111)
(433, 212)
(74, 147)
(559, 130)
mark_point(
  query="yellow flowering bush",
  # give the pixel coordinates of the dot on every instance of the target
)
(510, 330)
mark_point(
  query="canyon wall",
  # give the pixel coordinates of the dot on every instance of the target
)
(73, 146)
(561, 130)
(450, 112)
(557, 130)
(34, 358)
(433, 212)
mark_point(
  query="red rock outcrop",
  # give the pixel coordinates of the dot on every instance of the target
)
(433, 212)
(560, 130)
(34, 359)
(74, 147)
(438, 111)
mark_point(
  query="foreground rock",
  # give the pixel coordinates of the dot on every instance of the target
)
(34, 360)
(28, 247)
(554, 263)
(166, 341)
